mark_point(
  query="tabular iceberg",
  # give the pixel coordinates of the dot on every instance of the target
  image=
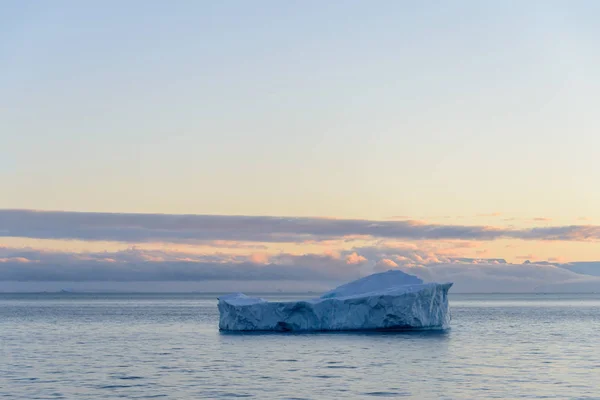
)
(389, 300)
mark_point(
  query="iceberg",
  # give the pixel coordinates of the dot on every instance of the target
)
(386, 301)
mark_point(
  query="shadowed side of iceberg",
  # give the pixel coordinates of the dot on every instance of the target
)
(382, 308)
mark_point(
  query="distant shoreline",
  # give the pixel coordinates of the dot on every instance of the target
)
(286, 294)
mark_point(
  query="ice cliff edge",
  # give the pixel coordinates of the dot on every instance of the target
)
(389, 300)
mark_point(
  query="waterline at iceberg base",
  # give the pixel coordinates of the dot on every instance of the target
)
(384, 301)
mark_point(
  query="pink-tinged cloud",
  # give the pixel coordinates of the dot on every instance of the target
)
(15, 260)
(355, 258)
(386, 262)
(541, 219)
(332, 253)
(259, 258)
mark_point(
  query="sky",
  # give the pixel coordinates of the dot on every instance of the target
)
(290, 145)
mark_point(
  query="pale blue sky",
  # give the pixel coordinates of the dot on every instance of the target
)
(341, 108)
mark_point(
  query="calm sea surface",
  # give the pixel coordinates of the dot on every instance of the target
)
(88, 346)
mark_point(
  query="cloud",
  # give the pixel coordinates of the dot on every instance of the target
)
(567, 233)
(259, 258)
(231, 244)
(14, 260)
(384, 265)
(157, 265)
(327, 269)
(308, 270)
(494, 214)
(132, 228)
(354, 258)
(584, 267)
(504, 277)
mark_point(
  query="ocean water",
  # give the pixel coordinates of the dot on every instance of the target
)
(92, 346)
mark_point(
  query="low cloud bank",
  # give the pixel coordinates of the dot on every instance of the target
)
(309, 271)
(507, 278)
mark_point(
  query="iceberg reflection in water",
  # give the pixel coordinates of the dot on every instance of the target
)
(387, 301)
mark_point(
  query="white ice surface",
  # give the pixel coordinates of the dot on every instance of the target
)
(374, 283)
(387, 301)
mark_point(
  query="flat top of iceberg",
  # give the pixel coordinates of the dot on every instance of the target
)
(392, 282)
(240, 299)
